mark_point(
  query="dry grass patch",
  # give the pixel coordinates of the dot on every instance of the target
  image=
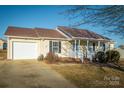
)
(3, 54)
(29, 74)
(88, 75)
(121, 62)
(18, 74)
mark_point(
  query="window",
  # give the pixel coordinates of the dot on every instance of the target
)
(55, 46)
(77, 45)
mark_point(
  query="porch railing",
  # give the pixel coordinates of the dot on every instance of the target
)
(83, 52)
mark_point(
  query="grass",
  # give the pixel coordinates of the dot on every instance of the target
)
(18, 74)
(88, 75)
(121, 62)
(3, 54)
(82, 75)
(29, 74)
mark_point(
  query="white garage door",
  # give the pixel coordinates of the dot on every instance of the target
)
(24, 50)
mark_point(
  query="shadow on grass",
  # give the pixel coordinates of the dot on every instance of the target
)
(114, 66)
(110, 65)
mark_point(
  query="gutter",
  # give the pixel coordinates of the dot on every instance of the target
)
(47, 38)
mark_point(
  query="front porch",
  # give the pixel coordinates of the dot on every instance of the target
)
(87, 48)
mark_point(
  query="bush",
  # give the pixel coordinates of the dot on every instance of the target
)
(100, 57)
(51, 57)
(40, 58)
(86, 60)
(112, 56)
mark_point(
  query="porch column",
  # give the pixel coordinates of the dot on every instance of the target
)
(87, 47)
(75, 48)
(98, 45)
(104, 47)
(109, 45)
(79, 46)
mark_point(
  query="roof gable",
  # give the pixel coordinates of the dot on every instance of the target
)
(81, 33)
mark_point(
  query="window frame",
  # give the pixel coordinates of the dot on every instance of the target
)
(56, 46)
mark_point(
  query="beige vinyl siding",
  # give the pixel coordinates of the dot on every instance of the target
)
(43, 46)
(65, 48)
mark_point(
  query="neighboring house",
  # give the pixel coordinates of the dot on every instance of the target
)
(28, 43)
(3, 44)
(121, 51)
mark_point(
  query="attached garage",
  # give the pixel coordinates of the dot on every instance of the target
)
(29, 43)
(25, 50)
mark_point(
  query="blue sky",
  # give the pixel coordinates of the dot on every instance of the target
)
(42, 16)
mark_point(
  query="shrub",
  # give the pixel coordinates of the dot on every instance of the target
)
(40, 58)
(51, 57)
(100, 57)
(112, 56)
(86, 60)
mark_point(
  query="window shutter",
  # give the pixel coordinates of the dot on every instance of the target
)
(59, 46)
(50, 46)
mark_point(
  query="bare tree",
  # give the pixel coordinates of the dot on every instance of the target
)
(111, 17)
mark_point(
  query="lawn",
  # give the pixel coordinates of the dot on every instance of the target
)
(28, 74)
(3, 54)
(38, 74)
(88, 75)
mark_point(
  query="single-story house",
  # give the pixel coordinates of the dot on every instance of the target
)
(3, 44)
(29, 43)
(121, 51)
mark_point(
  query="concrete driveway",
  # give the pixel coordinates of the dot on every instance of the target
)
(30, 74)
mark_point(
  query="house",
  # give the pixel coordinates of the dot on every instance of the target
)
(121, 51)
(3, 44)
(29, 43)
